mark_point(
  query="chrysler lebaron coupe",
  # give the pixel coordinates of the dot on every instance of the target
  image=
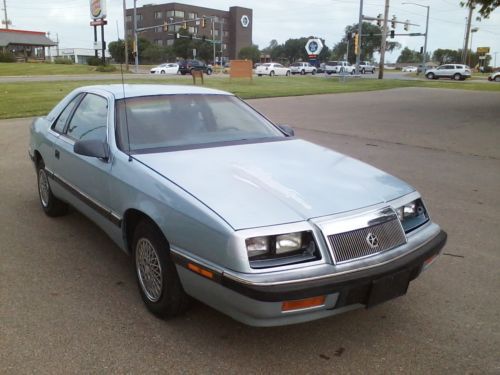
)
(215, 202)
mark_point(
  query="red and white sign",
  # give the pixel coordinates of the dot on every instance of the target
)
(99, 22)
(97, 9)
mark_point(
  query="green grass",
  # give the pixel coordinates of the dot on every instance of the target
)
(43, 69)
(37, 98)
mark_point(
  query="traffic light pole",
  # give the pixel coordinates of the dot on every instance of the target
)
(360, 32)
(384, 42)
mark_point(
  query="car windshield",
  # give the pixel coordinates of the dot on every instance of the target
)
(156, 123)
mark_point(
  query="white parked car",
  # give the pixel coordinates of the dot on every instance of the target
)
(409, 69)
(339, 67)
(458, 72)
(302, 68)
(272, 69)
(494, 77)
(168, 68)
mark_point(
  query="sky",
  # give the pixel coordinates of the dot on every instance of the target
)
(69, 20)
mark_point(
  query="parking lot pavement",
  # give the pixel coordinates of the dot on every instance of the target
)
(69, 303)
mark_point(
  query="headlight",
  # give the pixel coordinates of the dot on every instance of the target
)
(281, 249)
(412, 215)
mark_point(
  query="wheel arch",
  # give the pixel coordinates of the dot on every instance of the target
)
(131, 219)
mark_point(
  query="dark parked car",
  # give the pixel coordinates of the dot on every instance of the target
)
(187, 66)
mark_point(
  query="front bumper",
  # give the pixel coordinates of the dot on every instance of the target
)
(260, 304)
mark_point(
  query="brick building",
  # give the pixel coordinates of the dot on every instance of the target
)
(232, 28)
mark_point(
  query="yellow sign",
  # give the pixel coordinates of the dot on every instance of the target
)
(483, 49)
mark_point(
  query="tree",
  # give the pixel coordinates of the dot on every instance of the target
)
(154, 54)
(409, 56)
(485, 6)
(250, 53)
(370, 43)
(117, 50)
(444, 56)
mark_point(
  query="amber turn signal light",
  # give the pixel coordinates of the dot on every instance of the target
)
(303, 303)
(200, 271)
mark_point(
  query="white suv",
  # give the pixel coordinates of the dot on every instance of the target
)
(302, 68)
(339, 67)
(458, 72)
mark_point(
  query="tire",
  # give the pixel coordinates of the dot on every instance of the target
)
(457, 77)
(271, 73)
(362, 71)
(260, 75)
(302, 72)
(162, 72)
(288, 73)
(430, 76)
(183, 73)
(313, 72)
(157, 278)
(352, 72)
(51, 205)
(209, 72)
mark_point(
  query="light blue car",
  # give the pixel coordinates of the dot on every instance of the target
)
(215, 202)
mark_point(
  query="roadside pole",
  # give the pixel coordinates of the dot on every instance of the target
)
(125, 33)
(384, 42)
(360, 33)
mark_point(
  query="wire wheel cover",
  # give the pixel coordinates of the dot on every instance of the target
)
(149, 269)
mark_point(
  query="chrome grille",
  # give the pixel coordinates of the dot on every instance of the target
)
(355, 244)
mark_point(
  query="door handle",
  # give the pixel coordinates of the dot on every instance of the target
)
(56, 153)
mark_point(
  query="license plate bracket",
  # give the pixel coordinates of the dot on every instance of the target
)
(388, 287)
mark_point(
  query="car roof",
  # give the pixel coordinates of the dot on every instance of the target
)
(135, 90)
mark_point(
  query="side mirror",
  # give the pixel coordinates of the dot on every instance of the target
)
(287, 129)
(93, 148)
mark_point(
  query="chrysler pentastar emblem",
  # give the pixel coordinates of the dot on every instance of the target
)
(372, 240)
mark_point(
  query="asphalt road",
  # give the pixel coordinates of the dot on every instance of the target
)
(69, 303)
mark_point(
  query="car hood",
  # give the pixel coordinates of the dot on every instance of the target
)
(262, 184)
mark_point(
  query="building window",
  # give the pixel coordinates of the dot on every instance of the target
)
(158, 15)
(129, 18)
(226, 34)
(159, 42)
(216, 32)
(177, 27)
(158, 29)
(170, 42)
(179, 13)
(191, 30)
(170, 13)
(192, 16)
(171, 28)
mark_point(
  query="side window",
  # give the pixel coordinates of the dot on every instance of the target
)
(63, 117)
(90, 119)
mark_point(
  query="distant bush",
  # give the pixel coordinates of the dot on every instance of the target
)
(106, 68)
(7, 57)
(94, 61)
(63, 60)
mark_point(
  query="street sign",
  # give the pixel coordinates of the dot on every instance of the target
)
(483, 49)
(482, 57)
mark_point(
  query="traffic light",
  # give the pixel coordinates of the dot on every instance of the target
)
(393, 22)
(165, 26)
(421, 50)
(379, 20)
(203, 24)
(356, 43)
(407, 25)
(392, 34)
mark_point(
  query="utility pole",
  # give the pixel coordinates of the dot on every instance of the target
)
(136, 47)
(5, 14)
(213, 36)
(360, 32)
(57, 45)
(467, 33)
(221, 44)
(384, 42)
(125, 33)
